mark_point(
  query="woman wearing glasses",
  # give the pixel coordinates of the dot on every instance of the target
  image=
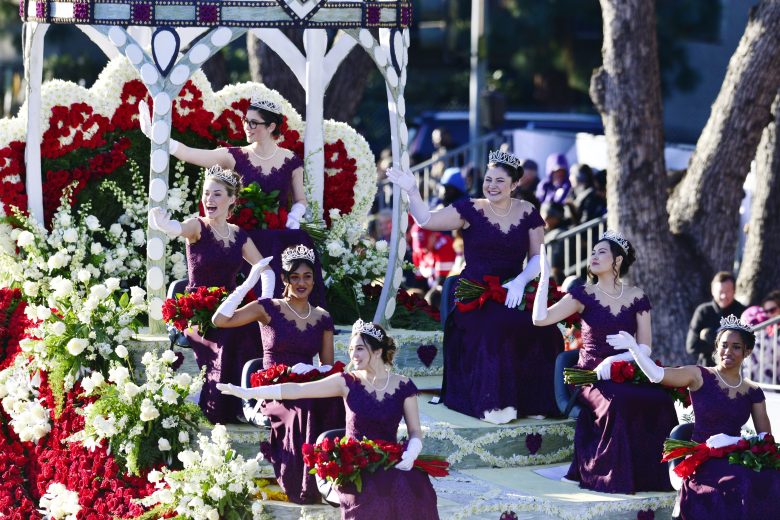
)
(272, 167)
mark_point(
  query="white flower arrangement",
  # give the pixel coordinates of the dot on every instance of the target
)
(214, 483)
(59, 502)
(143, 424)
(19, 385)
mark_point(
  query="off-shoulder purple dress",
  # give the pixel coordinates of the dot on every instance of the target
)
(295, 422)
(494, 357)
(271, 242)
(620, 433)
(223, 351)
(719, 490)
(391, 493)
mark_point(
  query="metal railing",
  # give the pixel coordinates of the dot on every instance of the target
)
(577, 245)
(762, 367)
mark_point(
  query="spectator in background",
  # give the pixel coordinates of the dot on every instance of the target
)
(600, 183)
(556, 185)
(442, 143)
(382, 225)
(434, 259)
(555, 224)
(584, 203)
(451, 188)
(528, 183)
(706, 319)
(769, 308)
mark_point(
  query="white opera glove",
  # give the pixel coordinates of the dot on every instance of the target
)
(720, 440)
(539, 312)
(234, 299)
(295, 215)
(515, 289)
(403, 178)
(640, 353)
(324, 368)
(159, 220)
(408, 183)
(604, 369)
(268, 282)
(268, 393)
(302, 368)
(413, 449)
(145, 124)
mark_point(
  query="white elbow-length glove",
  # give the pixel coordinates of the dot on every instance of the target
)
(295, 215)
(302, 368)
(159, 220)
(145, 123)
(261, 393)
(413, 449)
(515, 289)
(640, 353)
(720, 440)
(234, 299)
(539, 312)
(408, 183)
(324, 368)
(268, 283)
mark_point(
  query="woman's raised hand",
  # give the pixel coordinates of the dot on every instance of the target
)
(144, 119)
(159, 220)
(403, 178)
(272, 392)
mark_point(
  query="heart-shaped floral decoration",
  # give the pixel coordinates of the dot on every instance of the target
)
(533, 441)
(427, 353)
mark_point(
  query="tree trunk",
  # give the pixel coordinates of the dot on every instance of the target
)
(760, 271)
(346, 89)
(728, 144)
(215, 71)
(627, 92)
(267, 67)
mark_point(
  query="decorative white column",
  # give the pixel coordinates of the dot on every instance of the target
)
(33, 71)
(315, 42)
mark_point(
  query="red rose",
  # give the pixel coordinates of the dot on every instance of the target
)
(628, 370)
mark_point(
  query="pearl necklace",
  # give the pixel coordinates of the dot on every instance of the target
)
(717, 373)
(373, 385)
(276, 149)
(499, 215)
(226, 237)
(299, 316)
(622, 286)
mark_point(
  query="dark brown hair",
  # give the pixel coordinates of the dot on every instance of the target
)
(387, 345)
(270, 117)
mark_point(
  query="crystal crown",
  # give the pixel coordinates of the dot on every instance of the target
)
(731, 322)
(497, 156)
(217, 172)
(366, 327)
(617, 238)
(264, 104)
(294, 253)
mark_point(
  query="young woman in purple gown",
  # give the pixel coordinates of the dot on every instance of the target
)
(216, 252)
(497, 365)
(293, 332)
(375, 400)
(722, 402)
(273, 168)
(622, 428)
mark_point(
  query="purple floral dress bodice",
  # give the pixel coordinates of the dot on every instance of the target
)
(490, 251)
(718, 412)
(277, 179)
(598, 322)
(372, 418)
(212, 264)
(285, 343)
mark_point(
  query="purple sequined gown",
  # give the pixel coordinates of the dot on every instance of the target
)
(391, 493)
(223, 351)
(271, 242)
(621, 430)
(494, 357)
(719, 490)
(294, 422)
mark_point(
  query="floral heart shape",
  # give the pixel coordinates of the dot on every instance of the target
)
(533, 441)
(645, 515)
(508, 515)
(427, 353)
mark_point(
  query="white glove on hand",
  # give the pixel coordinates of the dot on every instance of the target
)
(720, 440)
(234, 299)
(408, 457)
(268, 282)
(539, 312)
(516, 288)
(296, 214)
(640, 353)
(408, 183)
(269, 393)
(145, 124)
(324, 368)
(159, 220)
(301, 368)
(403, 178)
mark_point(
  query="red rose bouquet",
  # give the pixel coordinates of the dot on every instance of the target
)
(755, 453)
(623, 372)
(278, 374)
(193, 309)
(256, 209)
(342, 461)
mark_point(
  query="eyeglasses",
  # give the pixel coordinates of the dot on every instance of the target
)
(771, 310)
(251, 123)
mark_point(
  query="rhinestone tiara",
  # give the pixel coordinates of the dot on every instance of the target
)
(217, 172)
(731, 322)
(264, 104)
(366, 327)
(616, 237)
(294, 253)
(497, 156)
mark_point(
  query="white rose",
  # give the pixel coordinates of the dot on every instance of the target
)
(334, 213)
(184, 437)
(335, 249)
(118, 375)
(148, 411)
(98, 291)
(154, 476)
(169, 395)
(115, 230)
(83, 275)
(169, 356)
(122, 252)
(30, 288)
(112, 284)
(92, 222)
(58, 328)
(43, 312)
(57, 260)
(137, 295)
(131, 389)
(188, 458)
(381, 246)
(139, 237)
(76, 346)
(183, 380)
(96, 248)
(121, 351)
(25, 239)
(70, 235)
(60, 287)
(174, 203)
(163, 444)
(64, 219)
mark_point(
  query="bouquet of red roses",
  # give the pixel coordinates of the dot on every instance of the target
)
(755, 453)
(194, 308)
(623, 372)
(343, 460)
(256, 209)
(278, 374)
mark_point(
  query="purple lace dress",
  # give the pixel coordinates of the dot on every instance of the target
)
(295, 422)
(388, 493)
(620, 433)
(494, 357)
(271, 242)
(222, 351)
(719, 490)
